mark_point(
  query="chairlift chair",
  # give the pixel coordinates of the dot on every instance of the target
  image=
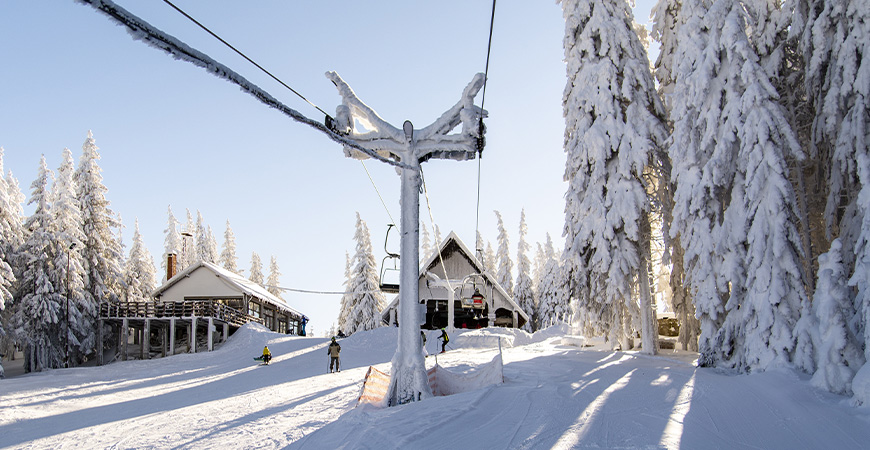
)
(390, 276)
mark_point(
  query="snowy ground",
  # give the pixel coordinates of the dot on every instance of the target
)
(554, 396)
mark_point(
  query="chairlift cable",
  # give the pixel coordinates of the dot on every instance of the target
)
(207, 30)
(161, 40)
(432, 218)
(246, 56)
(305, 291)
(378, 192)
(480, 150)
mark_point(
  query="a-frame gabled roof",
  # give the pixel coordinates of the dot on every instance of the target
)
(477, 265)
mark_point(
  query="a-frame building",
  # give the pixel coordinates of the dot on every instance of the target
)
(457, 269)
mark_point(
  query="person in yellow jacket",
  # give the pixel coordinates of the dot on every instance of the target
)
(333, 352)
(267, 355)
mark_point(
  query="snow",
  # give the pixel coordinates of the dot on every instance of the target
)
(554, 396)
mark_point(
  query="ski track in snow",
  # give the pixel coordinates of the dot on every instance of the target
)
(554, 396)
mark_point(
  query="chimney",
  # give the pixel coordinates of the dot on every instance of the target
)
(170, 265)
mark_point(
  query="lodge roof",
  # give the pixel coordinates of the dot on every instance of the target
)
(233, 280)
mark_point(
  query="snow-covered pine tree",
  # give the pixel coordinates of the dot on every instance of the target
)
(67, 220)
(38, 318)
(202, 242)
(12, 217)
(666, 21)
(523, 293)
(256, 269)
(834, 42)
(171, 244)
(838, 349)
(554, 308)
(734, 208)
(228, 258)
(614, 127)
(212, 246)
(139, 274)
(7, 276)
(189, 242)
(425, 242)
(346, 306)
(101, 254)
(273, 282)
(489, 260)
(437, 244)
(504, 275)
(368, 301)
(537, 277)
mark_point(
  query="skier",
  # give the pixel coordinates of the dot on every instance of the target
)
(333, 351)
(267, 355)
(444, 340)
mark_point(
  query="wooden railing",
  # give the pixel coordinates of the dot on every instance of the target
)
(177, 309)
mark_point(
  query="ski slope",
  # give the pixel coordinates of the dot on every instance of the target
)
(554, 396)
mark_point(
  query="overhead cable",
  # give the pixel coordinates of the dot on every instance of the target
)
(154, 37)
(243, 55)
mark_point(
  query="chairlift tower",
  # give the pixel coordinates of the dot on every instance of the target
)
(410, 148)
(404, 148)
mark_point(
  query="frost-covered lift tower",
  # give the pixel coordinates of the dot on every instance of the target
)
(405, 149)
(410, 147)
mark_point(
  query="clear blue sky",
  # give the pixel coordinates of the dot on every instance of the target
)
(171, 134)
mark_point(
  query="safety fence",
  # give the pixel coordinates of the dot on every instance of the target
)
(442, 381)
(176, 309)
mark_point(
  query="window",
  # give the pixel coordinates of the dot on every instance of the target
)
(254, 309)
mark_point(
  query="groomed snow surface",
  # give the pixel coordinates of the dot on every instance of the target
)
(554, 396)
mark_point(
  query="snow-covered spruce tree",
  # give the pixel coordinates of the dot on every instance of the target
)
(202, 243)
(346, 306)
(666, 22)
(12, 217)
(7, 237)
(189, 239)
(614, 127)
(273, 282)
(838, 349)
(101, 254)
(490, 263)
(834, 42)
(139, 273)
(425, 242)
(554, 307)
(523, 293)
(256, 269)
(37, 319)
(228, 258)
(367, 300)
(504, 275)
(213, 255)
(734, 208)
(171, 244)
(537, 276)
(67, 221)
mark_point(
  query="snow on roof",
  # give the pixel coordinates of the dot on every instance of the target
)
(241, 283)
(474, 262)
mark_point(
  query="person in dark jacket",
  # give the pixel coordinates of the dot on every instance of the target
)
(333, 352)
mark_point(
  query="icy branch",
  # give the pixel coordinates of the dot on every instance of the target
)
(142, 30)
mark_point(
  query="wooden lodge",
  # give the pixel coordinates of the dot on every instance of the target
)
(478, 300)
(192, 310)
